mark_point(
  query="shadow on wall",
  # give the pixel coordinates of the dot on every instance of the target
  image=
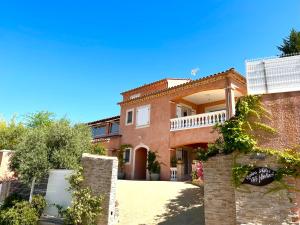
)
(187, 208)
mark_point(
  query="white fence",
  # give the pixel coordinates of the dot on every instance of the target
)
(273, 75)
(199, 120)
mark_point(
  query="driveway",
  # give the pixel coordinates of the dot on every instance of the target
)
(159, 202)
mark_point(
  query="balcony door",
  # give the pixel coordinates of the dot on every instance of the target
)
(182, 111)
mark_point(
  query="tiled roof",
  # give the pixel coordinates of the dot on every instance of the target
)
(200, 80)
(154, 83)
(103, 120)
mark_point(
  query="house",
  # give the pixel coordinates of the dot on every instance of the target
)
(107, 132)
(172, 117)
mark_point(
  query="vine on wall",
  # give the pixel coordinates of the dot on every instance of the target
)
(244, 133)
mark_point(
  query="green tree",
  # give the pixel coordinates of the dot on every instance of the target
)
(58, 145)
(10, 133)
(42, 118)
(291, 44)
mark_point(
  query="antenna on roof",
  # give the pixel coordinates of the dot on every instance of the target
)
(194, 71)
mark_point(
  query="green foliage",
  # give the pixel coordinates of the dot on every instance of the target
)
(242, 134)
(212, 150)
(194, 175)
(38, 202)
(291, 44)
(22, 213)
(85, 207)
(239, 172)
(17, 211)
(10, 134)
(58, 145)
(153, 165)
(39, 119)
(11, 200)
(30, 158)
(99, 149)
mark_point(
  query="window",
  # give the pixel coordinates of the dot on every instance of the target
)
(98, 131)
(114, 128)
(126, 155)
(129, 117)
(135, 96)
(143, 116)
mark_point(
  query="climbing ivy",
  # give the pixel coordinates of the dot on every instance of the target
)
(243, 134)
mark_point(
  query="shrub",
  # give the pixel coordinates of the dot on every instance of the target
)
(11, 200)
(153, 164)
(22, 213)
(99, 149)
(85, 207)
(38, 202)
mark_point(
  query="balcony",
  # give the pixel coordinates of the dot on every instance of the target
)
(198, 121)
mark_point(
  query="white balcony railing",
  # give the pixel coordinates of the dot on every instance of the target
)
(273, 75)
(173, 173)
(197, 121)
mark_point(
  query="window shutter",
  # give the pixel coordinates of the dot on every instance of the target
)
(143, 116)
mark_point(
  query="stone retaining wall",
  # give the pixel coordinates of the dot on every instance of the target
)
(254, 206)
(100, 174)
(219, 199)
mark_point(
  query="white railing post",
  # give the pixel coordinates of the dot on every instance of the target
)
(173, 171)
(199, 120)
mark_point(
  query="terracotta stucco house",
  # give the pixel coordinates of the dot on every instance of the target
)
(173, 117)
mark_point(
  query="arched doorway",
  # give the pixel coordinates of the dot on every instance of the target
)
(140, 164)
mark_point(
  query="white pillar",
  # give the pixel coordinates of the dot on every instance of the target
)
(230, 101)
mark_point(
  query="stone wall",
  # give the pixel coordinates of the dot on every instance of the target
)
(252, 206)
(100, 174)
(255, 205)
(219, 199)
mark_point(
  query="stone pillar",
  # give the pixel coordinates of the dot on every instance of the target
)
(230, 100)
(219, 198)
(100, 174)
(180, 170)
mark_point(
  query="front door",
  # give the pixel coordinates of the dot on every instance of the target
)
(140, 164)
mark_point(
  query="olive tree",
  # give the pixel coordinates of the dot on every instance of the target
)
(10, 133)
(57, 145)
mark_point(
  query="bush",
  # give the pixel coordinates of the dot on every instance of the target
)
(85, 207)
(38, 203)
(99, 149)
(153, 165)
(11, 200)
(22, 213)
(84, 210)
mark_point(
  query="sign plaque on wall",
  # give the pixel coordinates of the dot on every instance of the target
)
(260, 176)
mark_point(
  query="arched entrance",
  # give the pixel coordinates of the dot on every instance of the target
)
(140, 164)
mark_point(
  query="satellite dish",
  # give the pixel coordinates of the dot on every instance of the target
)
(194, 71)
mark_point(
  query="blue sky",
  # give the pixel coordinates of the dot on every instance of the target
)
(73, 58)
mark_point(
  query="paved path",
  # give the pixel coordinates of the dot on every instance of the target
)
(159, 202)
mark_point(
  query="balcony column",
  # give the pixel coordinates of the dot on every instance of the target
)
(230, 101)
